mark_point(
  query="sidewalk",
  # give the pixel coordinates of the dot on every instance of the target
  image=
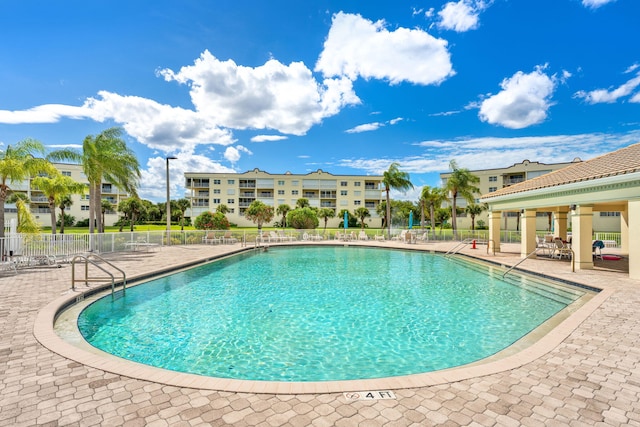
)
(591, 377)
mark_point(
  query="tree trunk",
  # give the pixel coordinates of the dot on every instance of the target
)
(92, 207)
(52, 209)
(388, 216)
(454, 214)
(62, 221)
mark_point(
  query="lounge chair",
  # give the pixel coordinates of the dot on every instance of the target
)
(210, 239)
(561, 249)
(597, 247)
(228, 238)
(401, 236)
(362, 235)
(273, 237)
(379, 237)
(283, 237)
(422, 238)
(8, 266)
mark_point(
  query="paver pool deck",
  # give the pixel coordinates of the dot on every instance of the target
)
(585, 373)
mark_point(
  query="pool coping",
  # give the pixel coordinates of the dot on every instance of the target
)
(44, 333)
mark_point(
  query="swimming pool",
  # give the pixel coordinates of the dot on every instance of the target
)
(322, 313)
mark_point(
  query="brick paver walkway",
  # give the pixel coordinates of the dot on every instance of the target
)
(591, 378)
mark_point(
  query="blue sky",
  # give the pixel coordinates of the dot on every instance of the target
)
(346, 87)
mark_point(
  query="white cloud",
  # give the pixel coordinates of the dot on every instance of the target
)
(367, 127)
(152, 187)
(48, 113)
(461, 16)
(286, 98)
(523, 101)
(157, 125)
(232, 154)
(611, 95)
(481, 153)
(594, 4)
(270, 138)
(356, 47)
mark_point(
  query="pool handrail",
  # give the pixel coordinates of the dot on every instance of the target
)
(573, 261)
(86, 280)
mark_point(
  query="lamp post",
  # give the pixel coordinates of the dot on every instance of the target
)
(169, 202)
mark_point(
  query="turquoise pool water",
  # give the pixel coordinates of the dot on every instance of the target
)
(322, 313)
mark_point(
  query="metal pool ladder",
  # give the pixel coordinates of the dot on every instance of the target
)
(88, 260)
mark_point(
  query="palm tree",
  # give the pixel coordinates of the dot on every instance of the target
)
(460, 184)
(106, 156)
(132, 208)
(183, 204)
(64, 202)
(326, 213)
(283, 209)
(302, 203)
(105, 206)
(259, 213)
(474, 209)
(19, 199)
(394, 179)
(17, 164)
(55, 186)
(362, 213)
(223, 209)
(433, 198)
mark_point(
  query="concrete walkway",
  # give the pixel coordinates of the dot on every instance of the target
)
(592, 377)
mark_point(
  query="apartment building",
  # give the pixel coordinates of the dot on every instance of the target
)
(237, 191)
(494, 179)
(80, 207)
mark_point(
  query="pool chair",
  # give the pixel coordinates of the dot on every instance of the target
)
(210, 239)
(8, 266)
(273, 237)
(597, 247)
(228, 238)
(283, 237)
(422, 238)
(362, 236)
(560, 249)
(402, 236)
(379, 237)
(546, 247)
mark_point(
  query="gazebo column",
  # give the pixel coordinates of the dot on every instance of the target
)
(560, 225)
(528, 233)
(634, 244)
(494, 229)
(581, 237)
(624, 231)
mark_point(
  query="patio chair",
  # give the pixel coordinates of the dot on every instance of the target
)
(401, 236)
(210, 239)
(547, 247)
(228, 238)
(362, 235)
(560, 249)
(597, 247)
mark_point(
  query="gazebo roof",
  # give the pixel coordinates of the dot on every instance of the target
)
(620, 162)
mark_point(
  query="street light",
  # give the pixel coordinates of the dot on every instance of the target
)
(169, 202)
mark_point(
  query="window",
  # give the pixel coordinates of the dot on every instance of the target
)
(66, 173)
(294, 183)
(231, 181)
(356, 202)
(357, 183)
(280, 182)
(84, 207)
(492, 189)
(343, 192)
(280, 192)
(232, 210)
(609, 213)
(216, 201)
(216, 191)
(231, 191)
(294, 192)
(493, 179)
(357, 193)
(216, 182)
(231, 201)
(343, 183)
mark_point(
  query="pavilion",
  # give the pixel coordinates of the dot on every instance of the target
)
(608, 183)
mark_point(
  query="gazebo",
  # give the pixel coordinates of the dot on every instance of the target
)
(608, 183)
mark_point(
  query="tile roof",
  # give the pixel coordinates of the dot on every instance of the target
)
(620, 162)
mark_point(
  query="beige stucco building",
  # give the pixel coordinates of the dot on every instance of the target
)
(80, 207)
(609, 183)
(492, 180)
(207, 191)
